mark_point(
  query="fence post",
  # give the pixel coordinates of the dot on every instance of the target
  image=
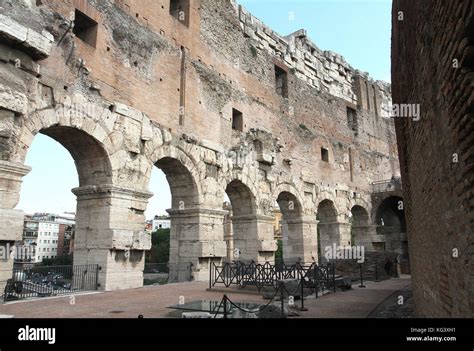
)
(316, 279)
(282, 298)
(225, 306)
(377, 270)
(190, 271)
(361, 278)
(210, 274)
(96, 277)
(302, 296)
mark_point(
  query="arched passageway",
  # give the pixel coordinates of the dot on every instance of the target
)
(185, 219)
(328, 228)
(251, 227)
(360, 233)
(390, 223)
(292, 227)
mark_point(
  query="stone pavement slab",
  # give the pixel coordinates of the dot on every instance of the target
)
(152, 302)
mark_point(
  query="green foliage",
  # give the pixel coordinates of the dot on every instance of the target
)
(160, 250)
(58, 261)
(279, 251)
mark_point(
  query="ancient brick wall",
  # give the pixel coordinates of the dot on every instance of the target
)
(209, 94)
(433, 60)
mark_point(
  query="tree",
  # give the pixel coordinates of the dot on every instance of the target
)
(66, 260)
(279, 251)
(160, 250)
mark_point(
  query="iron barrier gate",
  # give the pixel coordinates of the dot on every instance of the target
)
(320, 278)
(44, 281)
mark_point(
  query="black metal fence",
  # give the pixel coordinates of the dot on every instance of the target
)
(44, 281)
(320, 278)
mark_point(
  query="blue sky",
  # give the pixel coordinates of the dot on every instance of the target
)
(358, 30)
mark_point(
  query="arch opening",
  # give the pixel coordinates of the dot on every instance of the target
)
(180, 228)
(291, 227)
(328, 228)
(240, 225)
(57, 224)
(359, 225)
(390, 223)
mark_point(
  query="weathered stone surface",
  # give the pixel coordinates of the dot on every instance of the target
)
(271, 312)
(116, 102)
(437, 151)
(38, 44)
(13, 100)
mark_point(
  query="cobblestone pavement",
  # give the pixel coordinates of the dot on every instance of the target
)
(152, 302)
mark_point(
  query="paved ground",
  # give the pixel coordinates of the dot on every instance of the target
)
(151, 302)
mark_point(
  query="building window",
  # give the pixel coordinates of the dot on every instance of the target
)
(352, 119)
(179, 9)
(281, 81)
(237, 120)
(324, 154)
(85, 28)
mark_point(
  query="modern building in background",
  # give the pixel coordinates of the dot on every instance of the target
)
(160, 222)
(50, 235)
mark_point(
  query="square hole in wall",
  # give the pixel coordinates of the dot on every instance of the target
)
(237, 120)
(352, 118)
(179, 9)
(85, 28)
(281, 81)
(324, 154)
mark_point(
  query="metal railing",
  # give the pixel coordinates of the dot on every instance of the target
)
(320, 278)
(44, 281)
(387, 185)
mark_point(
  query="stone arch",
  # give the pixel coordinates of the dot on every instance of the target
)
(292, 213)
(54, 119)
(328, 226)
(238, 179)
(390, 212)
(245, 224)
(182, 173)
(108, 217)
(390, 224)
(290, 189)
(360, 223)
(242, 198)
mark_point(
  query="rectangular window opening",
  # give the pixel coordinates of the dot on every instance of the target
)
(237, 120)
(352, 119)
(324, 154)
(85, 28)
(281, 81)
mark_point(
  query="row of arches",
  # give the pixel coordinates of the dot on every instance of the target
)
(113, 194)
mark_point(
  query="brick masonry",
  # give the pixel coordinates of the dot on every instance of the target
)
(132, 86)
(433, 60)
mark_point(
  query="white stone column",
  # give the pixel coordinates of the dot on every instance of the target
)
(110, 232)
(196, 242)
(301, 241)
(255, 238)
(11, 220)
